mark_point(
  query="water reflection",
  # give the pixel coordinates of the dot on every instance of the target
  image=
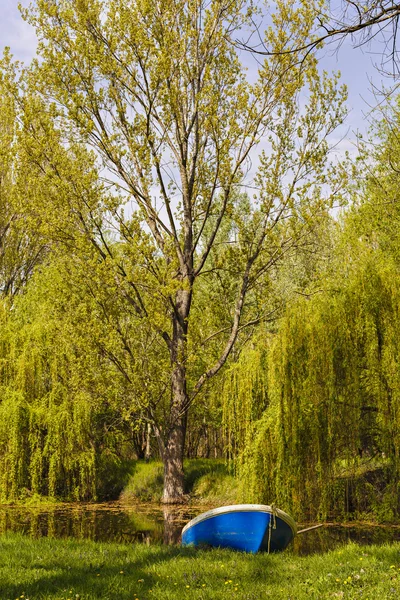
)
(330, 537)
(151, 524)
(111, 522)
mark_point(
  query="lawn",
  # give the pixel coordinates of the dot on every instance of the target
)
(82, 570)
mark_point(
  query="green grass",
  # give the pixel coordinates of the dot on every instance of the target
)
(145, 483)
(206, 481)
(50, 569)
(217, 486)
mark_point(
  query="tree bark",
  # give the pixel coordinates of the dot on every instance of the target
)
(148, 445)
(174, 492)
(174, 444)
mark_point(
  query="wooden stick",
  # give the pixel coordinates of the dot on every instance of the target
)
(309, 528)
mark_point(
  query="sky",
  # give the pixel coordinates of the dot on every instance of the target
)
(14, 32)
(356, 66)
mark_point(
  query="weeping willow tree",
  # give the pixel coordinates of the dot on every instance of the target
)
(321, 397)
(313, 407)
(60, 436)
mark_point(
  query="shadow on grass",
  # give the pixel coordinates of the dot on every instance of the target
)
(69, 570)
(101, 574)
(196, 468)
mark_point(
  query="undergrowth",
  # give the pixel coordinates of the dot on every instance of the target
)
(206, 481)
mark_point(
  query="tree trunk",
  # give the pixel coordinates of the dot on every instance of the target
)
(174, 492)
(174, 443)
(148, 445)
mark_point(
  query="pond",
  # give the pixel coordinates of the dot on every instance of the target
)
(149, 524)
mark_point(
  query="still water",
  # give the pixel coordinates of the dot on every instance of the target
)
(151, 524)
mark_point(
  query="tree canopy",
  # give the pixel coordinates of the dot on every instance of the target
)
(139, 128)
(170, 259)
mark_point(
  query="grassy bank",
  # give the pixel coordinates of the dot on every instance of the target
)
(82, 570)
(207, 481)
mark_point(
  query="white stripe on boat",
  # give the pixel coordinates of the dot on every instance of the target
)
(244, 508)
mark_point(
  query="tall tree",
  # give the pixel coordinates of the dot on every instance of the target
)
(62, 430)
(20, 248)
(160, 93)
(320, 398)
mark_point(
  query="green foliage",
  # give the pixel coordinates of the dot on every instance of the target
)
(158, 269)
(323, 389)
(21, 248)
(206, 480)
(332, 395)
(112, 475)
(153, 215)
(58, 436)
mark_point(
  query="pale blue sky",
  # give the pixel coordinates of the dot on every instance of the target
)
(356, 65)
(14, 32)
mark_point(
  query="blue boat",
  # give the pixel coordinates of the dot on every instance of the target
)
(245, 527)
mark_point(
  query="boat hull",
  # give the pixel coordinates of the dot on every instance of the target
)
(245, 527)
